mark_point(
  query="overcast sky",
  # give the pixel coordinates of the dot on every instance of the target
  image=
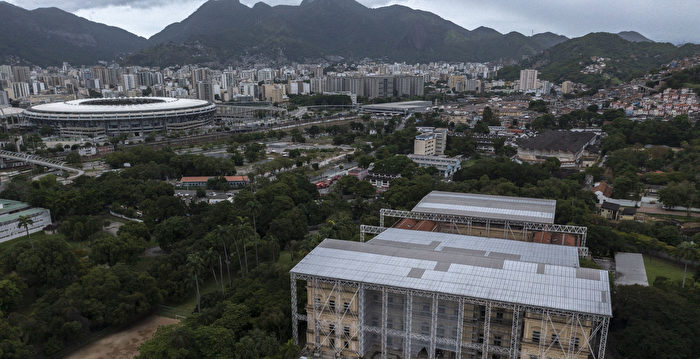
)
(660, 20)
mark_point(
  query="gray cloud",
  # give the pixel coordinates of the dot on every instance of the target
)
(74, 5)
(670, 20)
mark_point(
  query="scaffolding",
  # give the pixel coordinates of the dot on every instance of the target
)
(515, 230)
(398, 322)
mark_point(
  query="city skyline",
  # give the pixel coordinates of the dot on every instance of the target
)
(671, 23)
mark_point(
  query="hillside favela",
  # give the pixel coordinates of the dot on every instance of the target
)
(335, 179)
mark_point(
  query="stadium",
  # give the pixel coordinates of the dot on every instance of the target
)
(114, 116)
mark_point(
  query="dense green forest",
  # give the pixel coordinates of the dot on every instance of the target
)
(59, 289)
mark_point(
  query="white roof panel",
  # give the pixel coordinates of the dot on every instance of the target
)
(563, 288)
(472, 245)
(487, 206)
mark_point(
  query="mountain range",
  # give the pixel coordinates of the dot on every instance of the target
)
(49, 36)
(228, 32)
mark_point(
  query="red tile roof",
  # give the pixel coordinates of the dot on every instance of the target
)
(194, 179)
(406, 223)
(604, 188)
(427, 226)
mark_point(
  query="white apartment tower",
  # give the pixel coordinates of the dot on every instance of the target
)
(528, 80)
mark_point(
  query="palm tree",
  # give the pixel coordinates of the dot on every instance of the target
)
(254, 208)
(241, 231)
(195, 263)
(25, 221)
(687, 252)
(221, 232)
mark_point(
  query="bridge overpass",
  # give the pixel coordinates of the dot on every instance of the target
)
(46, 162)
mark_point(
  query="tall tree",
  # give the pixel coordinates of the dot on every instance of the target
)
(687, 252)
(195, 263)
(254, 208)
(25, 221)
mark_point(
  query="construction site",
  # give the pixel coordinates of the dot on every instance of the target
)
(459, 276)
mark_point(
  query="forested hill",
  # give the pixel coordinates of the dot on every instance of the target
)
(622, 59)
(227, 31)
(49, 36)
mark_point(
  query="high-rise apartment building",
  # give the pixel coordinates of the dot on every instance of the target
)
(205, 91)
(129, 81)
(4, 99)
(20, 90)
(21, 73)
(457, 83)
(567, 87)
(528, 80)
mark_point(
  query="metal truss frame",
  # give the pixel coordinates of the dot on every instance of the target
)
(488, 222)
(365, 229)
(594, 336)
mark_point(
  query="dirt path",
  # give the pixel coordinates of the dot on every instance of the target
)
(124, 344)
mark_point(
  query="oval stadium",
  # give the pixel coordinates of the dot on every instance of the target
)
(126, 115)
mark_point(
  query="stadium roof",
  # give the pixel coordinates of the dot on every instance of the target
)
(581, 290)
(405, 106)
(120, 105)
(486, 206)
(479, 246)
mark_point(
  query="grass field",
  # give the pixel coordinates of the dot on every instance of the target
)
(657, 267)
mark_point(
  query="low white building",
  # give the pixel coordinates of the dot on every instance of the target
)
(447, 166)
(11, 211)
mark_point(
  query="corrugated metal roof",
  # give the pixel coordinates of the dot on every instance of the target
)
(446, 242)
(563, 288)
(487, 206)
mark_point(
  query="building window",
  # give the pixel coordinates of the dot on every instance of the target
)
(346, 331)
(535, 336)
(331, 343)
(575, 341)
(481, 338)
(317, 302)
(497, 340)
(499, 315)
(346, 344)
(331, 329)
(390, 299)
(555, 339)
(441, 309)
(424, 328)
(331, 305)
(390, 323)
(346, 307)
